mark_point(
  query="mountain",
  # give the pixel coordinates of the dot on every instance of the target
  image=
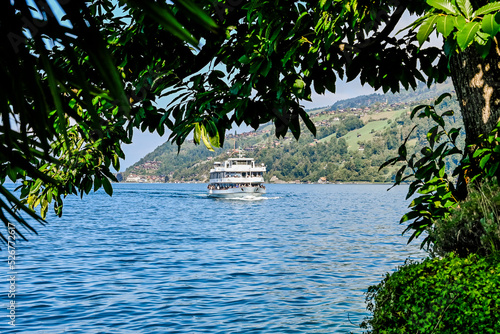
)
(354, 137)
(421, 93)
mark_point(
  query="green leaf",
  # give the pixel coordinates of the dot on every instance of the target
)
(484, 160)
(235, 88)
(213, 134)
(197, 133)
(399, 174)
(432, 135)
(307, 121)
(453, 133)
(215, 140)
(482, 39)
(402, 151)
(107, 186)
(416, 109)
(450, 45)
(460, 22)
(426, 29)
(441, 98)
(438, 119)
(12, 173)
(445, 25)
(480, 151)
(408, 216)
(414, 186)
(489, 8)
(198, 14)
(493, 169)
(444, 5)
(164, 17)
(442, 171)
(489, 25)
(391, 161)
(466, 35)
(205, 138)
(448, 113)
(97, 182)
(295, 126)
(466, 8)
(415, 235)
(451, 151)
(298, 86)
(426, 151)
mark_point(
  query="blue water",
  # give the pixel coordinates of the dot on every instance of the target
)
(165, 258)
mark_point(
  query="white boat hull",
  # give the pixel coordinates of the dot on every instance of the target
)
(237, 192)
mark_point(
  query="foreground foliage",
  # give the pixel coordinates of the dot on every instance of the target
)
(69, 104)
(448, 295)
(434, 189)
(429, 175)
(97, 70)
(471, 228)
(457, 293)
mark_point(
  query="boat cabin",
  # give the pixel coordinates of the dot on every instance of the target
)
(237, 177)
(237, 168)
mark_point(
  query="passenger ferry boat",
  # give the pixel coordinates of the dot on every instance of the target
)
(237, 177)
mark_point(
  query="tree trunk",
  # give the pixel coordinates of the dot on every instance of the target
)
(477, 84)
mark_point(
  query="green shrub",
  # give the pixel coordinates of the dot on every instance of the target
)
(447, 295)
(471, 228)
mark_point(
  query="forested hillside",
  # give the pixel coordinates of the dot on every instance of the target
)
(350, 145)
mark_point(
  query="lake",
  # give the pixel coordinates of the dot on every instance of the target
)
(165, 258)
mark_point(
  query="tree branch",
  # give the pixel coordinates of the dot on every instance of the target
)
(378, 38)
(396, 16)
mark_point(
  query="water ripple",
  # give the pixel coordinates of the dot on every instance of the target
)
(168, 259)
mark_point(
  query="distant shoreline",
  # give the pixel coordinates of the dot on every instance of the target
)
(272, 183)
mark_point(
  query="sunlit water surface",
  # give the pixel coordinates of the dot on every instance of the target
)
(165, 258)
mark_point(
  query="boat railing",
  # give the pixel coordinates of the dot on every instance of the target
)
(256, 179)
(233, 186)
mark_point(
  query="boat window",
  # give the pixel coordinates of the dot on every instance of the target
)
(241, 162)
